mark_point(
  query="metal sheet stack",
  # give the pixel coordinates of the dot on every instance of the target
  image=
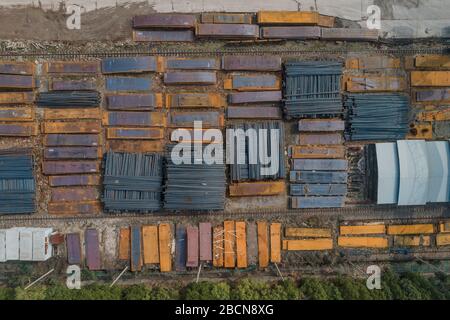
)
(252, 171)
(318, 167)
(17, 114)
(135, 121)
(256, 86)
(17, 182)
(164, 27)
(376, 116)
(132, 182)
(149, 245)
(195, 186)
(72, 136)
(312, 89)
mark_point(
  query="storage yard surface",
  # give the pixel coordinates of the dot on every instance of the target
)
(317, 210)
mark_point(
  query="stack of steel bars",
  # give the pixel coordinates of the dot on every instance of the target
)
(194, 186)
(376, 116)
(17, 183)
(252, 171)
(132, 182)
(312, 88)
(69, 99)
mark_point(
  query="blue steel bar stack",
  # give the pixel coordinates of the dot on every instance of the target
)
(68, 99)
(132, 182)
(312, 89)
(194, 186)
(247, 171)
(17, 183)
(376, 116)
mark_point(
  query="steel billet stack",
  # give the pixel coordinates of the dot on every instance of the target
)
(132, 182)
(17, 183)
(196, 186)
(247, 171)
(312, 89)
(376, 116)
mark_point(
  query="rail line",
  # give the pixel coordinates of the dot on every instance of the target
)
(219, 52)
(369, 213)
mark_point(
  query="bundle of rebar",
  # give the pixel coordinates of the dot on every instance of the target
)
(312, 89)
(69, 99)
(17, 183)
(253, 169)
(132, 182)
(376, 116)
(199, 185)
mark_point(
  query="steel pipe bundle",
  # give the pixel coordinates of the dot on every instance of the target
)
(249, 171)
(376, 116)
(17, 183)
(312, 88)
(132, 182)
(69, 99)
(194, 186)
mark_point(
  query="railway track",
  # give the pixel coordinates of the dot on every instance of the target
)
(227, 51)
(368, 213)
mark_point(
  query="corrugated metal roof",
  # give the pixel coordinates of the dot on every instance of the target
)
(388, 173)
(414, 172)
(439, 163)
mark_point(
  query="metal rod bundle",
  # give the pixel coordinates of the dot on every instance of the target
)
(69, 99)
(17, 183)
(376, 116)
(194, 186)
(312, 88)
(132, 182)
(252, 171)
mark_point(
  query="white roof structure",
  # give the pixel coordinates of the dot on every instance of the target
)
(388, 173)
(25, 244)
(438, 153)
(2, 245)
(413, 160)
(413, 172)
(12, 244)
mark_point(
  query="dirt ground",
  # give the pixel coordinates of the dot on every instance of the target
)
(36, 24)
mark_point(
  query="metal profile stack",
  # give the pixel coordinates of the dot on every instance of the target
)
(376, 116)
(252, 171)
(430, 91)
(318, 167)
(132, 182)
(194, 186)
(253, 95)
(134, 121)
(312, 89)
(72, 137)
(188, 106)
(17, 182)
(164, 27)
(227, 26)
(17, 114)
